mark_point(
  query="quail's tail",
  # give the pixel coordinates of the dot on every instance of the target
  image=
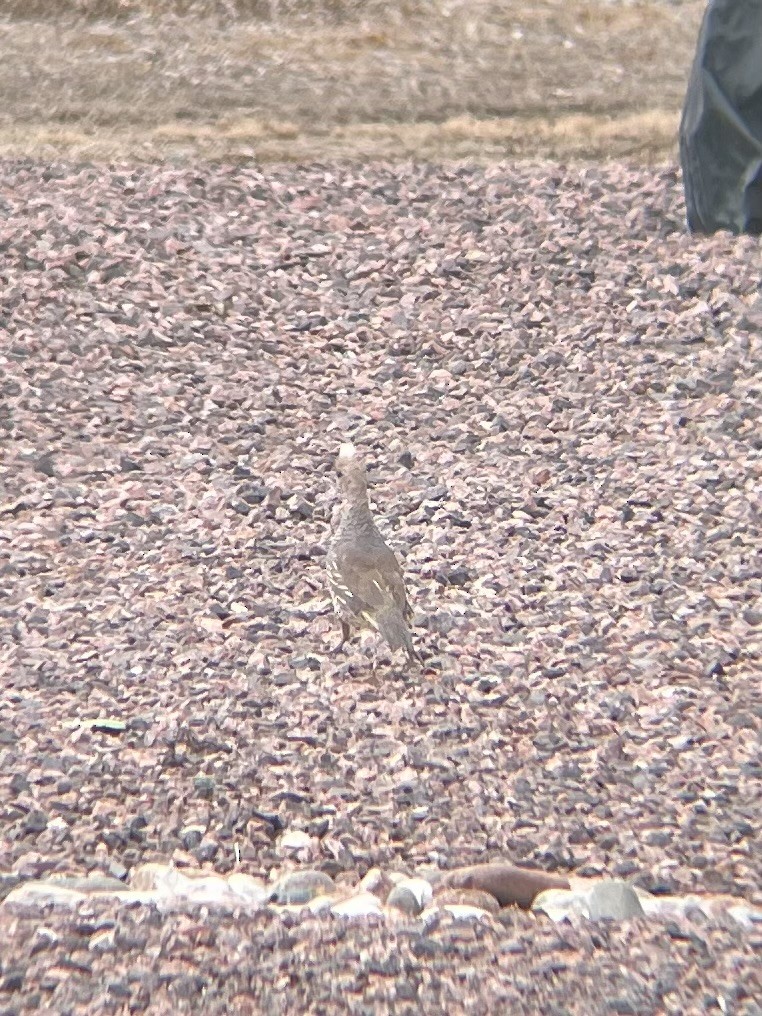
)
(394, 629)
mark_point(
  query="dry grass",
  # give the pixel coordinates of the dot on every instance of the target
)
(277, 79)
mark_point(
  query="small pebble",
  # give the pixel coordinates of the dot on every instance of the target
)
(191, 836)
(403, 899)
(375, 881)
(410, 895)
(204, 787)
(102, 941)
(207, 850)
(295, 840)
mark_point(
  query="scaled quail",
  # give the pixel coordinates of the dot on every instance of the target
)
(364, 577)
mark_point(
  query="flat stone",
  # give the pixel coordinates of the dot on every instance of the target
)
(746, 914)
(321, 904)
(92, 883)
(149, 876)
(558, 904)
(251, 889)
(361, 905)
(172, 886)
(613, 900)
(467, 897)
(299, 887)
(40, 894)
(458, 911)
(465, 912)
(203, 889)
(675, 907)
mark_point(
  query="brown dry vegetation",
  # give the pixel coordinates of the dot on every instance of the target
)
(281, 80)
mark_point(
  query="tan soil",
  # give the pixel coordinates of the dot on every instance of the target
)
(446, 79)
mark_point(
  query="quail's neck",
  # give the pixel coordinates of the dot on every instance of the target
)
(356, 515)
(354, 495)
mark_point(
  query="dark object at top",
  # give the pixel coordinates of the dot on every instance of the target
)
(721, 126)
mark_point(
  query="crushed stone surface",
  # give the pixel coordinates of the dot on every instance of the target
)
(557, 392)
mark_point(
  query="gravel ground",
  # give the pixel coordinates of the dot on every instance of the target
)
(558, 391)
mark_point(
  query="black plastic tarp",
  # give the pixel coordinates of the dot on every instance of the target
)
(721, 126)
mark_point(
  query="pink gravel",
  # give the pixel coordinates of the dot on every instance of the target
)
(559, 392)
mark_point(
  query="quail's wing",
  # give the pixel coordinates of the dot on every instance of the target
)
(368, 578)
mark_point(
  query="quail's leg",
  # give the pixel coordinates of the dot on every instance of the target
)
(414, 657)
(344, 635)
